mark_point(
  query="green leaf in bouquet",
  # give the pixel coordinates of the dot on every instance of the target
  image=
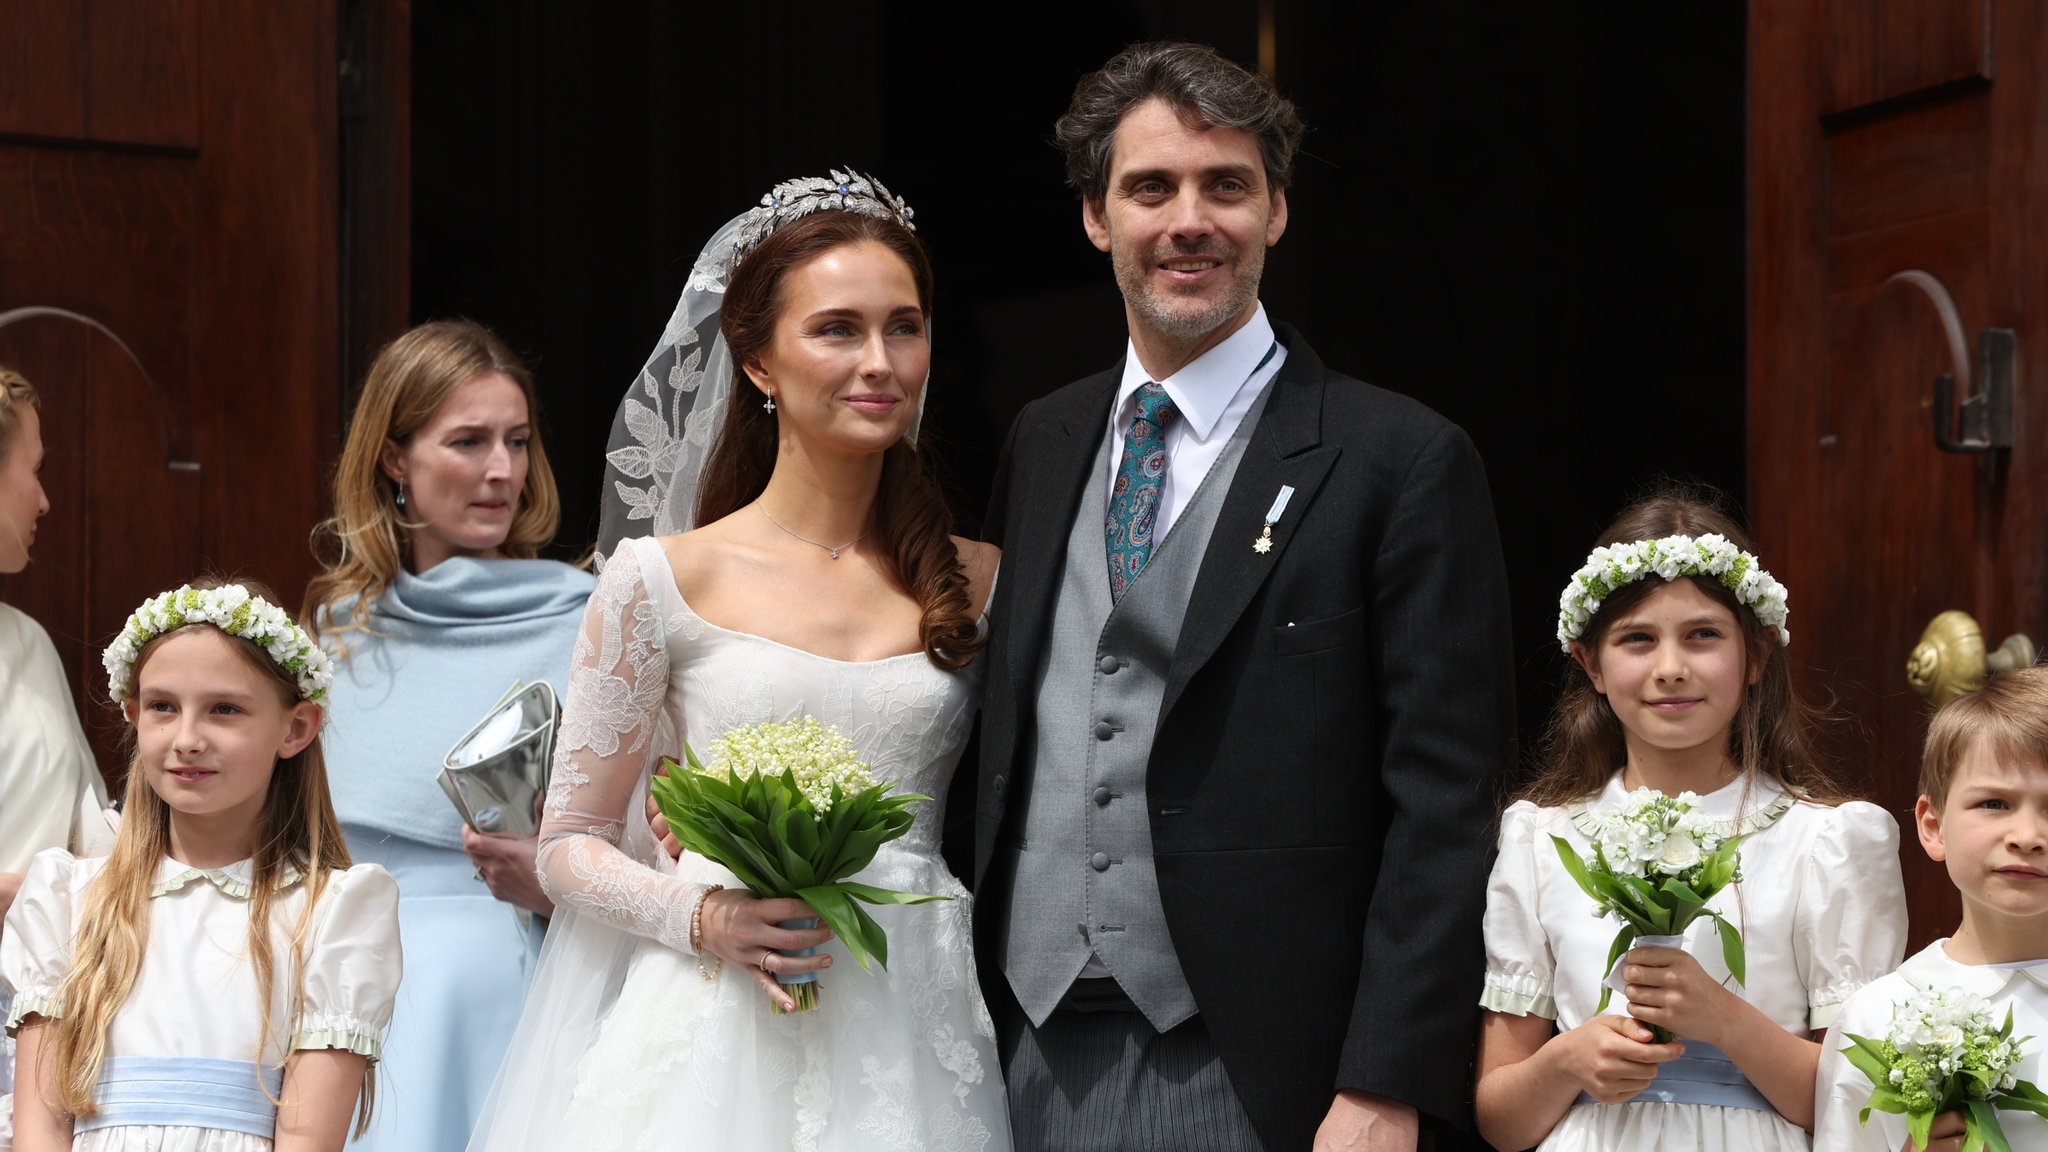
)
(1868, 1057)
(864, 938)
(1721, 867)
(1673, 886)
(1732, 951)
(874, 895)
(836, 909)
(846, 817)
(1882, 1099)
(1919, 1125)
(1622, 940)
(1576, 866)
(2024, 1097)
(790, 828)
(754, 845)
(1655, 918)
(858, 851)
(1981, 1128)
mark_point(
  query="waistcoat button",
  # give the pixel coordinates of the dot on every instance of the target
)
(1101, 797)
(1099, 861)
(1108, 665)
(1104, 730)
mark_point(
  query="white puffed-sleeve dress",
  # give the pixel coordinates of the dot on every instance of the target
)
(1822, 911)
(182, 1072)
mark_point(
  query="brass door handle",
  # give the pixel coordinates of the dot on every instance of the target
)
(1951, 659)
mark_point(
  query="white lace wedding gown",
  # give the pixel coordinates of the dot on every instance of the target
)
(624, 1044)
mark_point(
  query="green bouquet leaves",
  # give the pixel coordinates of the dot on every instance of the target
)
(794, 833)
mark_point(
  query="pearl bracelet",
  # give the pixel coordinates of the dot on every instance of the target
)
(697, 936)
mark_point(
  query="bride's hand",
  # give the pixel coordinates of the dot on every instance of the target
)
(742, 929)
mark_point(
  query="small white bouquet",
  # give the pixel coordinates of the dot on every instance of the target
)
(1656, 862)
(1943, 1054)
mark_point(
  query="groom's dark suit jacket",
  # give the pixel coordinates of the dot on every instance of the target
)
(1336, 720)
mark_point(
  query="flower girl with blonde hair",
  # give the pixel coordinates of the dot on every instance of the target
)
(220, 983)
(1678, 683)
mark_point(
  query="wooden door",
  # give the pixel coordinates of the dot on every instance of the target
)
(170, 239)
(1898, 207)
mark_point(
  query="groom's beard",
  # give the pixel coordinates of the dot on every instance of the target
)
(1186, 317)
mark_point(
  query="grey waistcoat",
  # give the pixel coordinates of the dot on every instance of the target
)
(1084, 879)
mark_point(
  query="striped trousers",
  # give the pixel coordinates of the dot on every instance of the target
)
(1105, 1081)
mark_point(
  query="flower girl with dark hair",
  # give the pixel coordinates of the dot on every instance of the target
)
(221, 982)
(1678, 684)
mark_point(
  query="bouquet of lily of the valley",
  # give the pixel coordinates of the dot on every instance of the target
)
(1943, 1054)
(792, 811)
(1656, 862)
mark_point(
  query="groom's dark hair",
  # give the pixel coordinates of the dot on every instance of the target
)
(1204, 87)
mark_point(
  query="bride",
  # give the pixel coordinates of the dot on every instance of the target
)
(823, 581)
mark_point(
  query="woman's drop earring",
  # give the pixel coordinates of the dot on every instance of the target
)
(401, 496)
(768, 405)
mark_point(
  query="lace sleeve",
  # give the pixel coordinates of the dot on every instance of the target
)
(618, 679)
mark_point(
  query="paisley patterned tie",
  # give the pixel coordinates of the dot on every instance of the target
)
(1134, 500)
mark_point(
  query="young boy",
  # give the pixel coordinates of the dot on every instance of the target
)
(1983, 811)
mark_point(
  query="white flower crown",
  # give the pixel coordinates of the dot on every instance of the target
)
(1611, 568)
(234, 611)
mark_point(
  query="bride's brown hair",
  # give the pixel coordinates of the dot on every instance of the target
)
(1774, 731)
(913, 525)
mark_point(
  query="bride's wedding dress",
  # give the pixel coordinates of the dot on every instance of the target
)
(625, 1044)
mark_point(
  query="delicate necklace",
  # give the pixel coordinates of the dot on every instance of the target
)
(814, 543)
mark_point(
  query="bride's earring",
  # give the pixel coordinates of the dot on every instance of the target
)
(768, 405)
(400, 501)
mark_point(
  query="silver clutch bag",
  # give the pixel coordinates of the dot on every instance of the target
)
(496, 774)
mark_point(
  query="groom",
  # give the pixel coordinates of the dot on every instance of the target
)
(1249, 690)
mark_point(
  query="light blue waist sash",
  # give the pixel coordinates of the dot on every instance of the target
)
(185, 1091)
(1702, 1076)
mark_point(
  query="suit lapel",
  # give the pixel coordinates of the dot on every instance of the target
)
(1058, 465)
(1286, 449)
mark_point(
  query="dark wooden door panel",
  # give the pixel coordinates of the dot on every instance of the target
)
(106, 71)
(171, 170)
(1882, 50)
(1885, 236)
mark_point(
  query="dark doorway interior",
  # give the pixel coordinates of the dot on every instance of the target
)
(1529, 217)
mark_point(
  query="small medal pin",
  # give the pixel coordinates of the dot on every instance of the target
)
(1264, 543)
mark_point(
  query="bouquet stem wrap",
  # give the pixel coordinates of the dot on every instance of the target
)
(803, 986)
(792, 812)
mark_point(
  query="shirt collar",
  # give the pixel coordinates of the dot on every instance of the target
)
(1933, 966)
(1203, 388)
(236, 880)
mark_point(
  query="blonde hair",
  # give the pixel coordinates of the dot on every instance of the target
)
(365, 543)
(2008, 716)
(296, 830)
(15, 394)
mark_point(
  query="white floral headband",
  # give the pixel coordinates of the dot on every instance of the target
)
(1611, 568)
(234, 611)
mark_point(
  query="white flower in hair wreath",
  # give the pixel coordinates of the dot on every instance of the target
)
(234, 611)
(1612, 567)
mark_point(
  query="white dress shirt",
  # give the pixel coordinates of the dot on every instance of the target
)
(1210, 396)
